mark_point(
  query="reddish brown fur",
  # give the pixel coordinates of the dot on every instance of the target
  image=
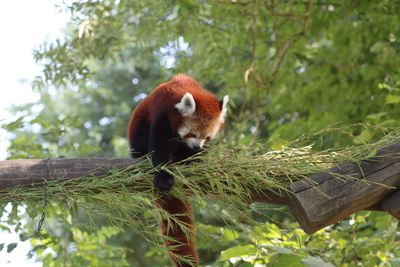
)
(166, 95)
(208, 108)
(183, 244)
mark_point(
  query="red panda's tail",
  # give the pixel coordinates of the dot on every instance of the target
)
(179, 231)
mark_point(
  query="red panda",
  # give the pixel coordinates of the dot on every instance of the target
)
(174, 122)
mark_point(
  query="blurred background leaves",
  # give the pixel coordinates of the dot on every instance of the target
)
(291, 68)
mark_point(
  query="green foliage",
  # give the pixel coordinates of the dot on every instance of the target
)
(291, 68)
(85, 249)
(367, 239)
(124, 198)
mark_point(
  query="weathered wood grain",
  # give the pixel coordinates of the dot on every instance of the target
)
(316, 202)
(323, 199)
(392, 203)
(26, 172)
(395, 214)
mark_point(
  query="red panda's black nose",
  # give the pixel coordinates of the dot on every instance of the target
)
(196, 147)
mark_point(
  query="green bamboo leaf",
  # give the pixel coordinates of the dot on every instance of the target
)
(316, 262)
(11, 247)
(365, 136)
(279, 249)
(392, 99)
(287, 260)
(238, 251)
(12, 126)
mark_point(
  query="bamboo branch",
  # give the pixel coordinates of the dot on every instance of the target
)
(317, 201)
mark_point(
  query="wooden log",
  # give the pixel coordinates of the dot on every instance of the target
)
(392, 203)
(395, 214)
(307, 209)
(27, 172)
(32, 172)
(324, 199)
(266, 196)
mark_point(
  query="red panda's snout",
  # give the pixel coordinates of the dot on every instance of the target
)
(199, 127)
(174, 122)
(192, 136)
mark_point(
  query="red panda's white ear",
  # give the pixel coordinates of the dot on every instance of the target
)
(224, 103)
(186, 106)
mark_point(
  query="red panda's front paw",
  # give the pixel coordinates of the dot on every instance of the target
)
(163, 181)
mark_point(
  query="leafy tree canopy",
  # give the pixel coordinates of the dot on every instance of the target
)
(291, 68)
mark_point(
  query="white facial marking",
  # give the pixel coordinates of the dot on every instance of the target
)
(224, 108)
(195, 142)
(202, 142)
(215, 131)
(184, 130)
(187, 105)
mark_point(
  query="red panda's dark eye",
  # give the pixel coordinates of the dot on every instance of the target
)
(189, 135)
(208, 138)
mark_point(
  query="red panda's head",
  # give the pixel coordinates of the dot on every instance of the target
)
(201, 121)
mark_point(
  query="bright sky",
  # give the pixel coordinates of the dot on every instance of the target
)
(24, 24)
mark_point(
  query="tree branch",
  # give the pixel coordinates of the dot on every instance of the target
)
(317, 201)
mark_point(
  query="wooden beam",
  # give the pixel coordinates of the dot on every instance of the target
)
(316, 202)
(392, 203)
(324, 199)
(395, 214)
(266, 196)
(32, 172)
